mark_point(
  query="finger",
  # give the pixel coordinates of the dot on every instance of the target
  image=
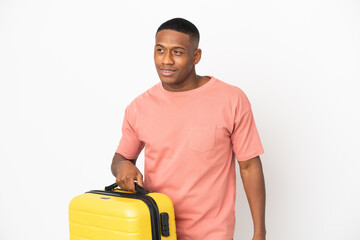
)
(139, 179)
(119, 183)
(129, 184)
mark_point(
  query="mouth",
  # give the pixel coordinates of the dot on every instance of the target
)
(167, 71)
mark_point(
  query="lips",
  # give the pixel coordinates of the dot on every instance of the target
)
(167, 71)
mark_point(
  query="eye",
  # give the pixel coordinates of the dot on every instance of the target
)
(159, 50)
(176, 52)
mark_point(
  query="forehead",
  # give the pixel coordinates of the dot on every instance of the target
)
(173, 38)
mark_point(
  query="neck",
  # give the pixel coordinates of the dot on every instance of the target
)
(190, 82)
(196, 81)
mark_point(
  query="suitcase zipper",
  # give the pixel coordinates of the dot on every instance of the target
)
(150, 203)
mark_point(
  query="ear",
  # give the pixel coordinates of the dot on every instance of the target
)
(197, 56)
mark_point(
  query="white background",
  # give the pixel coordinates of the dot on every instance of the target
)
(69, 68)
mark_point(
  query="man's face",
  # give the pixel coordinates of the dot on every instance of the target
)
(175, 57)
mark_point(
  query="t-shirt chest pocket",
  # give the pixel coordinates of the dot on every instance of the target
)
(202, 137)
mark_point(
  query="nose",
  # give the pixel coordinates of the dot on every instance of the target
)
(167, 59)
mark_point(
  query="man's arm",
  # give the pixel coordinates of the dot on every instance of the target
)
(254, 185)
(126, 172)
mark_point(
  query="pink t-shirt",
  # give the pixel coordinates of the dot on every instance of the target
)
(190, 140)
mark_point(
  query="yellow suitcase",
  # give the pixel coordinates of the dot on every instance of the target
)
(114, 214)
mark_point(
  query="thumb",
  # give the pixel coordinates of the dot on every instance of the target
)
(139, 179)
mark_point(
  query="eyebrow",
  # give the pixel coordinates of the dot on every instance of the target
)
(176, 47)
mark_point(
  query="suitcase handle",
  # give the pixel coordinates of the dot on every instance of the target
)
(139, 189)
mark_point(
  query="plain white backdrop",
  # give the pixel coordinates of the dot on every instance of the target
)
(68, 69)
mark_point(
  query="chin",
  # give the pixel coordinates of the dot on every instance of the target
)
(167, 80)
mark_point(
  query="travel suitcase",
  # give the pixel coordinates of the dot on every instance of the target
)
(114, 214)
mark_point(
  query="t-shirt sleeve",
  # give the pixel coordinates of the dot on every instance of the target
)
(245, 137)
(130, 146)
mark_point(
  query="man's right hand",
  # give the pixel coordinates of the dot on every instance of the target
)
(126, 172)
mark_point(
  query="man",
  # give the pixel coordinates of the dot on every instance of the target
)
(192, 127)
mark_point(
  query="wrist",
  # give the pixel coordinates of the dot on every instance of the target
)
(259, 235)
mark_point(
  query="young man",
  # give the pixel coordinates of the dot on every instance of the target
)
(192, 127)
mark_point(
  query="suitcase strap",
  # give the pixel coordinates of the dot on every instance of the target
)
(139, 189)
